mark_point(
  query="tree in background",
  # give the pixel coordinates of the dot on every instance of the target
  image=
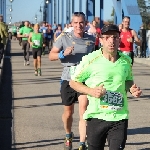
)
(111, 21)
(144, 6)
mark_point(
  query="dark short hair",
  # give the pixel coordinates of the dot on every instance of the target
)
(126, 17)
(78, 14)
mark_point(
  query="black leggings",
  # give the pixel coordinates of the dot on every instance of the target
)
(26, 48)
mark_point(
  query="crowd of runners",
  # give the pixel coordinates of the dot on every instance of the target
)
(97, 72)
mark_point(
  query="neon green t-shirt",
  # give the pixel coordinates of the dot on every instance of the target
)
(94, 70)
(25, 30)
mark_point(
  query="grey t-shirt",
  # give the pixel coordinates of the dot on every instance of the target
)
(82, 46)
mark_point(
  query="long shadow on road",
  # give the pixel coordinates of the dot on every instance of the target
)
(43, 143)
(6, 102)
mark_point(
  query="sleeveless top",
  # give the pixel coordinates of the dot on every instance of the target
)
(37, 40)
(124, 44)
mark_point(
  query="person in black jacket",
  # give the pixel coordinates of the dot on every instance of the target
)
(142, 36)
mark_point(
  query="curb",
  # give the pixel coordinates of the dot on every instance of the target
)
(1, 67)
(2, 62)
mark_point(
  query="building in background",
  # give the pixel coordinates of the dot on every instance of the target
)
(3, 9)
(60, 11)
(127, 8)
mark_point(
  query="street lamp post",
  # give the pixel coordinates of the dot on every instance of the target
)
(10, 10)
(36, 18)
(46, 2)
(41, 12)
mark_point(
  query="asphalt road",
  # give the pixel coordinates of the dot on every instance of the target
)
(35, 105)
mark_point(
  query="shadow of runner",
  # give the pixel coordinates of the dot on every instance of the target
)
(6, 102)
(143, 130)
(42, 144)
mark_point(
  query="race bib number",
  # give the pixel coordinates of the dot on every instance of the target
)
(44, 31)
(72, 70)
(49, 36)
(36, 42)
(112, 101)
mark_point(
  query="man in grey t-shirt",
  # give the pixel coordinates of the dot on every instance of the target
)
(70, 48)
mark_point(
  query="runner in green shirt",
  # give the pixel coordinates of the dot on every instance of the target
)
(36, 42)
(14, 31)
(24, 34)
(107, 74)
(19, 38)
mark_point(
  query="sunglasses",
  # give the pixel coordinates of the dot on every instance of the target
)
(79, 13)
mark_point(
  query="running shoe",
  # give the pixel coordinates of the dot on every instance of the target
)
(35, 73)
(43, 53)
(83, 147)
(24, 63)
(39, 72)
(28, 63)
(68, 143)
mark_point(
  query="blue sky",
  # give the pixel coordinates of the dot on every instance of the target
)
(26, 10)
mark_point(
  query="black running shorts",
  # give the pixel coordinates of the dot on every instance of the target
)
(36, 52)
(68, 95)
(99, 130)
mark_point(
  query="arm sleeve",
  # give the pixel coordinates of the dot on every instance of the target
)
(81, 72)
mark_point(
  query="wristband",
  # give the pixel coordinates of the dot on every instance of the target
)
(61, 55)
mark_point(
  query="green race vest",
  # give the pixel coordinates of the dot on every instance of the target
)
(37, 40)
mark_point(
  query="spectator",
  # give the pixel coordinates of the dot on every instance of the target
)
(142, 36)
(3, 35)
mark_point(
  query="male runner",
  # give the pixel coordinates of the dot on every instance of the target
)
(24, 34)
(70, 48)
(14, 31)
(128, 38)
(107, 74)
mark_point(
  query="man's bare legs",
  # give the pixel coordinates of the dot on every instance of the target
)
(67, 118)
(39, 62)
(35, 65)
